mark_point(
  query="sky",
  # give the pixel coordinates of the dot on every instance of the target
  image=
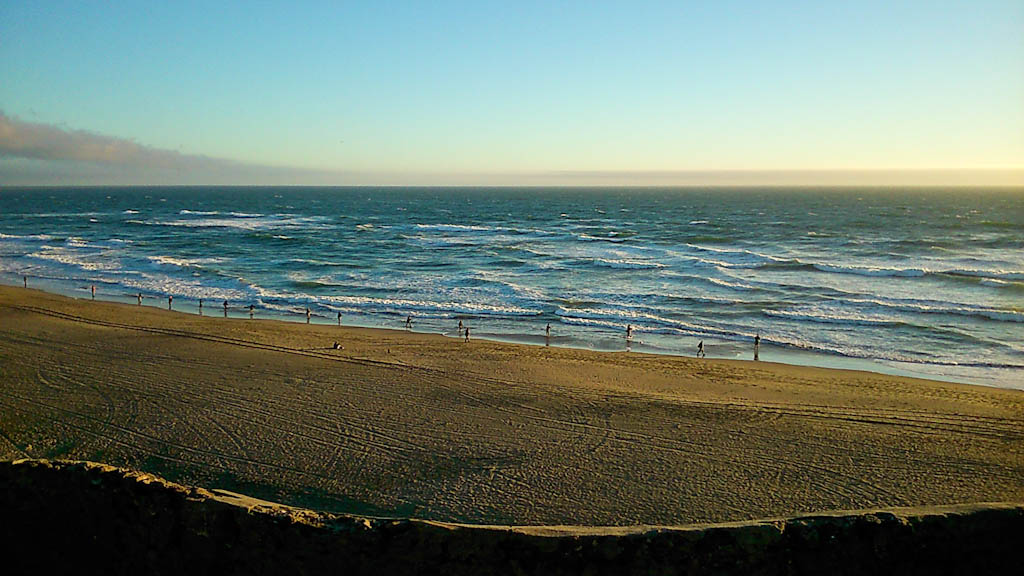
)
(512, 93)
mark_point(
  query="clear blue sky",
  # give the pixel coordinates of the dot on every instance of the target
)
(491, 92)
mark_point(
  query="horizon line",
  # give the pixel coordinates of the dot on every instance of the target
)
(528, 186)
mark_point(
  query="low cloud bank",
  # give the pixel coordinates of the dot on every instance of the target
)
(45, 142)
(36, 154)
(41, 154)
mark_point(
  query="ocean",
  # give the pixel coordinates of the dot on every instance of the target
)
(915, 282)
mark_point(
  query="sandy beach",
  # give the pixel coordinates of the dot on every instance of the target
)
(425, 426)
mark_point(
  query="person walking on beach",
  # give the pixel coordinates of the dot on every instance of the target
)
(93, 291)
(25, 279)
(700, 349)
(200, 306)
(252, 310)
(225, 308)
(460, 327)
(307, 314)
(467, 333)
(757, 344)
(170, 300)
(140, 298)
(339, 318)
(408, 322)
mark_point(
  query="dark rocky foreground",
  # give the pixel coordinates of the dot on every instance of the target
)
(63, 517)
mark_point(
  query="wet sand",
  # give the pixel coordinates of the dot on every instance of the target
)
(419, 425)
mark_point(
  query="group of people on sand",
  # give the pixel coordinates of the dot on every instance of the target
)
(757, 347)
(700, 345)
(463, 329)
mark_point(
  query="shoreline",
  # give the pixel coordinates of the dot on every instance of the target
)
(723, 350)
(421, 426)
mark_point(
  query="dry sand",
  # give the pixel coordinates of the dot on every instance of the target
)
(405, 424)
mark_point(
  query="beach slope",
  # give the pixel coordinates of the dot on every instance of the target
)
(413, 425)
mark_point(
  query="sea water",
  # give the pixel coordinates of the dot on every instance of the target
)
(918, 282)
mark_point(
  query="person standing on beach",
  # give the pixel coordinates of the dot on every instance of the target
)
(93, 291)
(700, 349)
(629, 331)
(140, 298)
(757, 344)
(460, 327)
(467, 333)
(408, 322)
(307, 314)
(170, 300)
(25, 279)
(200, 306)
(225, 308)
(252, 310)
(339, 318)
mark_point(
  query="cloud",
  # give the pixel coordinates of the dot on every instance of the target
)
(45, 142)
(35, 153)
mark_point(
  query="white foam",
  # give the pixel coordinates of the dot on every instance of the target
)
(67, 257)
(42, 237)
(626, 264)
(871, 271)
(613, 239)
(733, 285)
(989, 274)
(936, 307)
(183, 262)
(248, 222)
(186, 287)
(455, 227)
(834, 317)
